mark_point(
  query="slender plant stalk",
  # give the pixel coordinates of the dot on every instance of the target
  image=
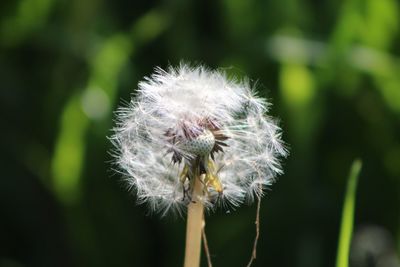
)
(206, 248)
(257, 222)
(194, 227)
(346, 228)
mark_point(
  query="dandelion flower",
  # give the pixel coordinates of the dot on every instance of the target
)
(191, 123)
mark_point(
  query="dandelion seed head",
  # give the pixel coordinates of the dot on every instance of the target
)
(190, 121)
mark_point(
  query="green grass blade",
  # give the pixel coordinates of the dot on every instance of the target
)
(346, 227)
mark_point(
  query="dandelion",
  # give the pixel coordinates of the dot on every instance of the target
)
(191, 136)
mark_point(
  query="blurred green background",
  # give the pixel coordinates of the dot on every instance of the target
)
(331, 69)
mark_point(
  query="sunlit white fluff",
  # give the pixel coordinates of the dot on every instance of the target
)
(186, 96)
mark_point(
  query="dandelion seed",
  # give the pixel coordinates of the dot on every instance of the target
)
(191, 123)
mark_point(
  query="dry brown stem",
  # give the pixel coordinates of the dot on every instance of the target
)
(257, 222)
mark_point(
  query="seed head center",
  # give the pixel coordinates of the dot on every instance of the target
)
(201, 145)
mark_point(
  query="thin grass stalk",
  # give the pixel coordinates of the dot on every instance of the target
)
(346, 228)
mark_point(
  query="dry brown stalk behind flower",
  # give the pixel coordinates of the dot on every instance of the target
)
(257, 222)
(206, 248)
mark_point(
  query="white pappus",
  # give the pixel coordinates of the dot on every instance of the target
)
(191, 123)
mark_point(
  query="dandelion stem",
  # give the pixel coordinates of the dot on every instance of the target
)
(194, 227)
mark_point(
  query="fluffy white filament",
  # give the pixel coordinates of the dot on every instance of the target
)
(249, 162)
